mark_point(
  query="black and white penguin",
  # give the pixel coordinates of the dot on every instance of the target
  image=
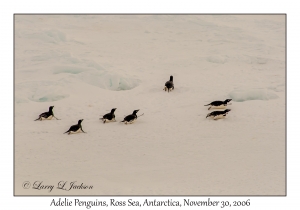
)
(131, 118)
(218, 104)
(47, 115)
(109, 116)
(218, 114)
(169, 86)
(75, 128)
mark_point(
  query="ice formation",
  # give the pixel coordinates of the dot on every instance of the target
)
(240, 95)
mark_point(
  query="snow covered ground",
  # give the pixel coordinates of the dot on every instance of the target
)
(85, 65)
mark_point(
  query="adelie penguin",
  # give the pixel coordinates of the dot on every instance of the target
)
(109, 116)
(75, 128)
(218, 104)
(131, 118)
(47, 115)
(218, 114)
(169, 86)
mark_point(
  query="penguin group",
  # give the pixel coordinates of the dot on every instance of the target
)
(169, 86)
(109, 117)
(218, 105)
(131, 118)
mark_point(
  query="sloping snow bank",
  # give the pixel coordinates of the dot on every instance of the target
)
(240, 95)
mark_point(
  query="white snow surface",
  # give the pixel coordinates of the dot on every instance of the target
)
(85, 65)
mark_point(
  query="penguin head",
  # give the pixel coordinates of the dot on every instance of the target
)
(79, 121)
(171, 78)
(227, 110)
(227, 100)
(51, 107)
(113, 110)
(135, 111)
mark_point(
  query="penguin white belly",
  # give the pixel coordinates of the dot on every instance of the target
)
(74, 132)
(221, 116)
(165, 89)
(106, 120)
(219, 107)
(47, 118)
(130, 122)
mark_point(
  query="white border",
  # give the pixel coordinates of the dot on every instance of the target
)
(8, 8)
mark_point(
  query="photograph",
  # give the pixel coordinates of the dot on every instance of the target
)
(149, 104)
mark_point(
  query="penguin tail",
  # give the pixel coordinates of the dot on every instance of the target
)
(207, 105)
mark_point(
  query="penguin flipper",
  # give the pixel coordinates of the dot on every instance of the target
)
(42, 115)
(55, 117)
